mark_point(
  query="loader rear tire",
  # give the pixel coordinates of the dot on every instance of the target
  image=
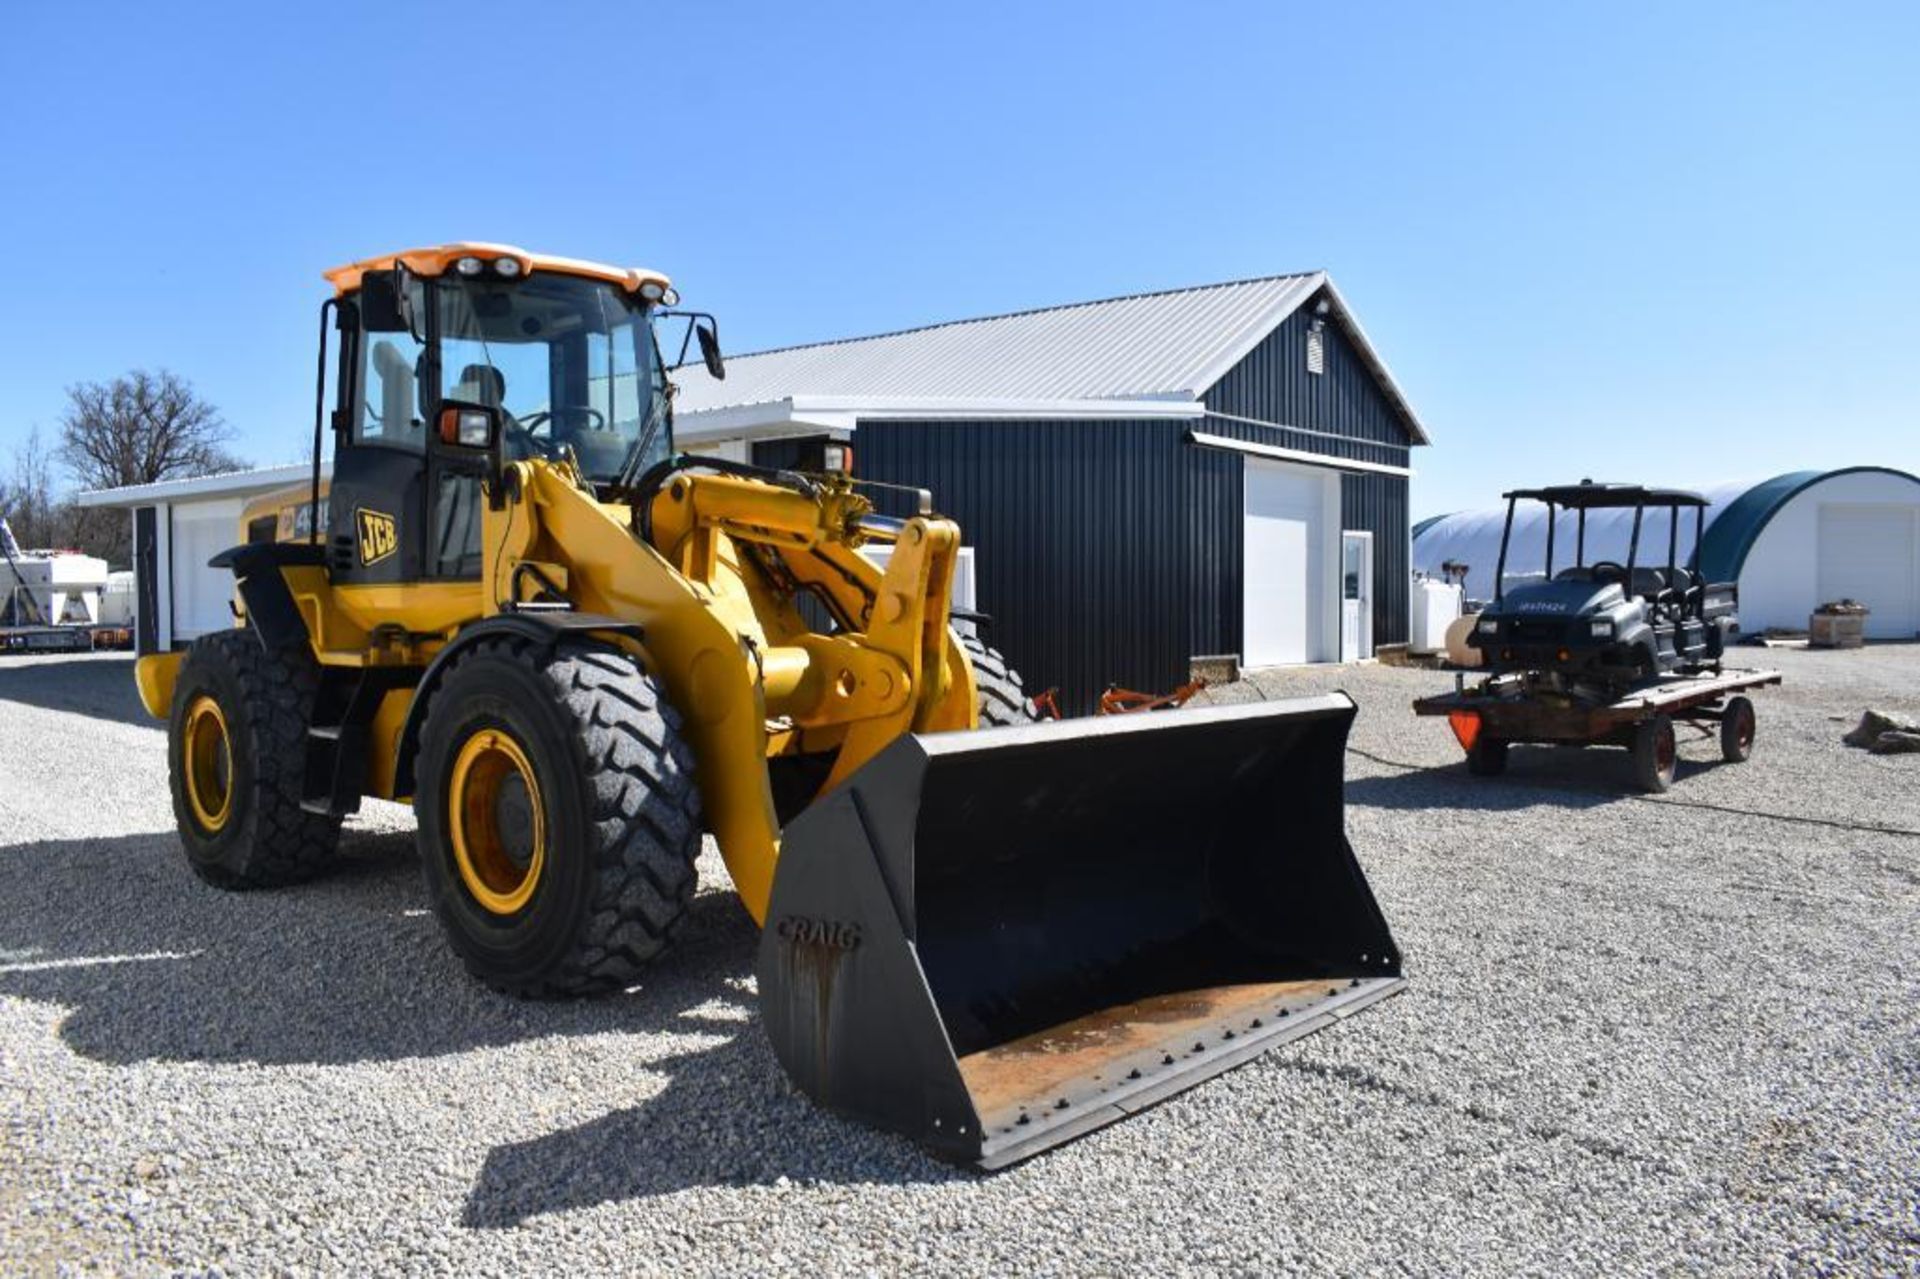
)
(559, 819)
(1002, 697)
(236, 753)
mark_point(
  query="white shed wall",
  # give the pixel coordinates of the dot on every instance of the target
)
(1780, 584)
(201, 596)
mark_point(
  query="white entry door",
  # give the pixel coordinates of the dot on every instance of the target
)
(1868, 553)
(1356, 596)
(1284, 575)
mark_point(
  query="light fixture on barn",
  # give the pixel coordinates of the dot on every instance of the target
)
(1316, 338)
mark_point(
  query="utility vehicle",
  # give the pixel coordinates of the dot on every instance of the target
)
(1607, 624)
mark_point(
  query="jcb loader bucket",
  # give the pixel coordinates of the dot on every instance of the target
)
(996, 941)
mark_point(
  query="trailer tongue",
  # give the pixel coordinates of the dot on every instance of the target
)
(994, 942)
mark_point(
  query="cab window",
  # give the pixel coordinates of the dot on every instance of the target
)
(389, 411)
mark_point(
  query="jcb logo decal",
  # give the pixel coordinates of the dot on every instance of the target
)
(378, 537)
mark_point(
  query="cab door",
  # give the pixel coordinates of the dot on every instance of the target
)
(377, 504)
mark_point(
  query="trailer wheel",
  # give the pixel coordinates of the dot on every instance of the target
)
(559, 820)
(1654, 754)
(236, 753)
(1736, 731)
(1002, 697)
(1488, 756)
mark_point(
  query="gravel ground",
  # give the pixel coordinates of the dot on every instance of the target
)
(1643, 1034)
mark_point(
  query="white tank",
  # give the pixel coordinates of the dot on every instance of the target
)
(1435, 606)
(116, 600)
(65, 588)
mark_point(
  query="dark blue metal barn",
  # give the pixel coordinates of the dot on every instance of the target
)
(1144, 480)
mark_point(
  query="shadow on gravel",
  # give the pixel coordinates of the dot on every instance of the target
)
(153, 965)
(100, 688)
(1560, 776)
(727, 1117)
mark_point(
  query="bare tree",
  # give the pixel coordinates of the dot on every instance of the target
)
(26, 496)
(139, 428)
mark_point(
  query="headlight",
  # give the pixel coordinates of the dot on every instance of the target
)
(1602, 628)
(507, 268)
(467, 266)
(1488, 626)
(476, 430)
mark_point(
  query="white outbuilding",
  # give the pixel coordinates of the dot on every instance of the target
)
(1792, 543)
(178, 525)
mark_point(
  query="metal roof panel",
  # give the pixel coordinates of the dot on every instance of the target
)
(1172, 344)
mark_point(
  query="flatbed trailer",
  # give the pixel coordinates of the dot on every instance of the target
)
(63, 639)
(1490, 716)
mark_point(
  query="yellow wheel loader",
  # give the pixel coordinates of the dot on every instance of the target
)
(575, 651)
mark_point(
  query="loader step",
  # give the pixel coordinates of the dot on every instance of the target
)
(334, 770)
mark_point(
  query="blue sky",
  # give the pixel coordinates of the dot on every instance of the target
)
(1672, 243)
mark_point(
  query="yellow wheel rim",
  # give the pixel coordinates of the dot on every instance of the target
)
(498, 822)
(209, 764)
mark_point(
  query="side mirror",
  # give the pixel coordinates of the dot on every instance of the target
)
(706, 329)
(708, 335)
(469, 426)
(380, 310)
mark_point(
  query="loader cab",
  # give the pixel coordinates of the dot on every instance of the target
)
(555, 360)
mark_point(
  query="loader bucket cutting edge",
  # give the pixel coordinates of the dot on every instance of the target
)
(996, 941)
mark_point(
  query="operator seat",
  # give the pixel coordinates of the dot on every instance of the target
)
(482, 384)
(1649, 583)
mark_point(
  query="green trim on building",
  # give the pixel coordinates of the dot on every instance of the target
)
(1723, 550)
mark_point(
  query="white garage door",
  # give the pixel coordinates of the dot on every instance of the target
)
(202, 596)
(1869, 553)
(1284, 573)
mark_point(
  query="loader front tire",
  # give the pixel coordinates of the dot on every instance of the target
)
(559, 820)
(1002, 698)
(236, 751)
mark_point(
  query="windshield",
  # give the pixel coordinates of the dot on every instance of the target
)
(572, 362)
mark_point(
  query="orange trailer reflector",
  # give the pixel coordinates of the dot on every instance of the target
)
(1466, 728)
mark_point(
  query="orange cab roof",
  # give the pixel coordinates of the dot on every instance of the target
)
(436, 260)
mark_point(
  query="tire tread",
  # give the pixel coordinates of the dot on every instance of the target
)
(644, 815)
(1002, 697)
(287, 844)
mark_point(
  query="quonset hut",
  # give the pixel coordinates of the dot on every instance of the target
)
(1792, 543)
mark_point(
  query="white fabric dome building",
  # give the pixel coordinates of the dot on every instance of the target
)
(1792, 543)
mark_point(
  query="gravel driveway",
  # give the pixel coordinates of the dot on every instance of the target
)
(1642, 1034)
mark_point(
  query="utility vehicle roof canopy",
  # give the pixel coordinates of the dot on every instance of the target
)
(1587, 495)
